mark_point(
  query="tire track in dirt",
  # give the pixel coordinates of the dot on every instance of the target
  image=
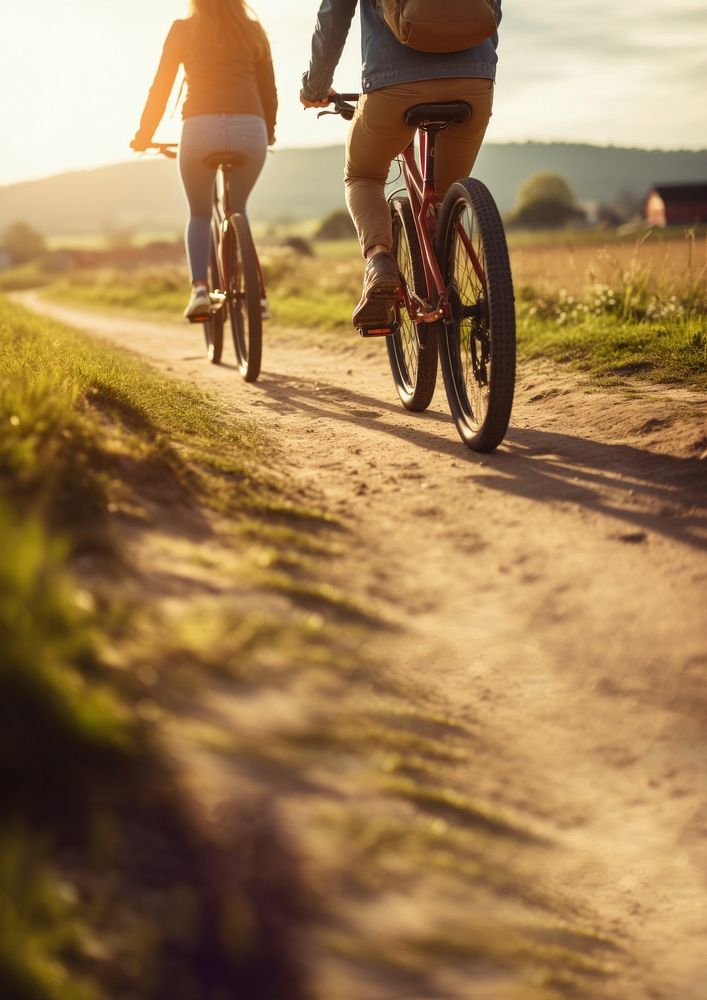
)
(552, 595)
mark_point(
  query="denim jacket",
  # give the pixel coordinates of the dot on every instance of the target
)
(386, 61)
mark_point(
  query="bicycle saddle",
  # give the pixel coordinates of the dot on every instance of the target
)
(227, 160)
(438, 115)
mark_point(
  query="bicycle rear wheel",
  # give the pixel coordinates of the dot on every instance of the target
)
(244, 299)
(412, 349)
(213, 328)
(478, 345)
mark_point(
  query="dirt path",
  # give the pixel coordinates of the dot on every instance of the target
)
(554, 594)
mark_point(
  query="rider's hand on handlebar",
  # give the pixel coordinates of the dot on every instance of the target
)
(140, 143)
(324, 103)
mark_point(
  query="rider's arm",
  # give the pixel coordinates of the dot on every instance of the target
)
(265, 79)
(333, 23)
(161, 86)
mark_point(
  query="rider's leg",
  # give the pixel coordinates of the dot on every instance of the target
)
(378, 134)
(247, 135)
(458, 146)
(200, 136)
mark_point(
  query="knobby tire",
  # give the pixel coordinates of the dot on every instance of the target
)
(244, 299)
(477, 347)
(413, 361)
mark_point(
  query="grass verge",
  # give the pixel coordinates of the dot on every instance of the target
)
(110, 886)
(612, 335)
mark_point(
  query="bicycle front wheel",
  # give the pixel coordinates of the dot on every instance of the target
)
(244, 299)
(478, 346)
(412, 349)
(213, 328)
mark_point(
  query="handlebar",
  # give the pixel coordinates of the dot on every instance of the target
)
(168, 149)
(342, 106)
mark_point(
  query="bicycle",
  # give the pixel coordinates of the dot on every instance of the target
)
(456, 300)
(235, 277)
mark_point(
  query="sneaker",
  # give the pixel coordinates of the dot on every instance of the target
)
(198, 309)
(381, 283)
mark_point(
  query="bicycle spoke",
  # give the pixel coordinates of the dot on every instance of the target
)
(407, 333)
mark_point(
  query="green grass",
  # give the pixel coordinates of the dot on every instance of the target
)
(96, 840)
(609, 348)
(62, 734)
(90, 420)
(159, 290)
(32, 275)
(303, 292)
(615, 332)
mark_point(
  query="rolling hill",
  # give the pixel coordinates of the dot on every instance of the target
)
(307, 183)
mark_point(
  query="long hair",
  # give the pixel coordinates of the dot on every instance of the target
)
(230, 23)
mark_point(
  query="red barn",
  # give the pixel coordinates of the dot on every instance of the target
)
(677, 205)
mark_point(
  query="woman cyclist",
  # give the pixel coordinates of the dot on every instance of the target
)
(230, 106)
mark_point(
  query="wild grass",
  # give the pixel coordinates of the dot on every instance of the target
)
(152, 290)
(664, 266)
(62, 733)
(87, 417)
(31, 275)
(304, 292)
(623, 238)
(647, 317)
(96, 841)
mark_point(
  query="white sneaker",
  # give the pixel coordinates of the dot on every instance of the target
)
(198, 309)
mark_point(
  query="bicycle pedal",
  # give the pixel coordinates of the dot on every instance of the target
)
(379, 331)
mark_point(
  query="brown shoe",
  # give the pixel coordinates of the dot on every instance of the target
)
(381, 283)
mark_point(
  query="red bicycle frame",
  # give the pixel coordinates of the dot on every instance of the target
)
(424, 201)
(222, 212)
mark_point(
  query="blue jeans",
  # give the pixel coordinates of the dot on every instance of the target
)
(203, 135)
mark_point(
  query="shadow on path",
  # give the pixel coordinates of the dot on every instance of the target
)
(647, 490)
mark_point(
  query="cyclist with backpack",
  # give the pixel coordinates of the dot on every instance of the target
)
(231, 106)
(414, 52)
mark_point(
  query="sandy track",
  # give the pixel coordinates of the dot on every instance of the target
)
(554, 594)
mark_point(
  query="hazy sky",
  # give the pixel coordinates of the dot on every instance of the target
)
(74, 75)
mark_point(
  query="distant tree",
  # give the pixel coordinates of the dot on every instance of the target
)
(545, 200)
(336, 226)
(299, 245)
(23, 243)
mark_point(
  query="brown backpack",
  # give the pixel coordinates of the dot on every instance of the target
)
(439, 25)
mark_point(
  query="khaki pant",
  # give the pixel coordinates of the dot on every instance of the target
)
(379, 134)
